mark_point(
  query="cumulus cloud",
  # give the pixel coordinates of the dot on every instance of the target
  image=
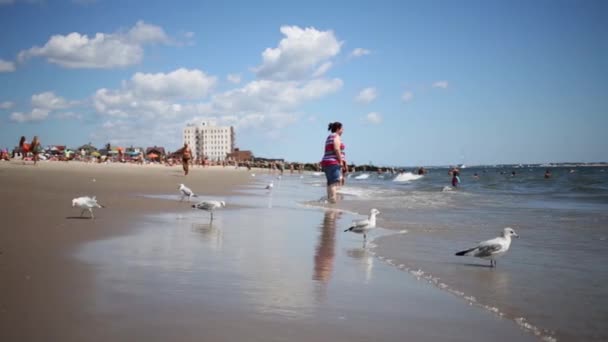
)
(373, 118)
(7, 66)
(440, 84)
(358, 52)
(37, 114)
(7, 105)
(301, 53)
(366, 95)
(48, 100)
(104, 51)
(260, 104)
(181, 83)
(68, 116)
(234, 78)
(407, 96)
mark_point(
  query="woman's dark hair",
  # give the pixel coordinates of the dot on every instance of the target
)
(334, 126)
(21, 141)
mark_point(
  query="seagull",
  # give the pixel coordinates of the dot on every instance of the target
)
(491, 249)
(363, 226)
(186, 192)
(269, 186)
(86, 203)
(209, 206)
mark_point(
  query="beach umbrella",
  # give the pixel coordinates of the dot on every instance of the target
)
(95, 154)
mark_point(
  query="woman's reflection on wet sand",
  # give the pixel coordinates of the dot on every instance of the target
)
(326, 245)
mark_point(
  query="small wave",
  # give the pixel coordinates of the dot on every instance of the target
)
(407, 177)
(543, 334)
(363, 176)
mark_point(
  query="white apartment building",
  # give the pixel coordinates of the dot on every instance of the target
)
(209, 140)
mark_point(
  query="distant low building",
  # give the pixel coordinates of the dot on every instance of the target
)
(240, 156)
(160, 151)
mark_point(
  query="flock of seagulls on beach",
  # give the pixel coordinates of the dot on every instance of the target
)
(488, 250)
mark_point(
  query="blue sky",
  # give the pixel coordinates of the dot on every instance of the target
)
(413, 82)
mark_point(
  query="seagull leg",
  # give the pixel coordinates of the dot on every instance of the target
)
(91, 211)
(82, 212)
(212, 216)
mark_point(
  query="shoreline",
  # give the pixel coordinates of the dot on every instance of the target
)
(48, 288)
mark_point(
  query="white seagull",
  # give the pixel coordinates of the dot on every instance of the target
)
(209, 206)
(491, 249)
(269, 186)
(86, 203)
(363, 226)
(186, 192)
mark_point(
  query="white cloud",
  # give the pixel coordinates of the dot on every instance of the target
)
(366, 95)
(7, 105)
(48, 100)
(37, 114)
(373, 118)
(440, 84)
(234, 78)
(302, 52)
(181, 83)
(6, 66)
(407, 96)
(10, 2)
(68, 115)
(358, 52)
(322, 69)
(104, 51)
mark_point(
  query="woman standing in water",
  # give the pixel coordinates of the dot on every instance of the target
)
(333, 161)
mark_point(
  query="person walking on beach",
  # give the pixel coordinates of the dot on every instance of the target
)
(186, 156)
(24, 148)
(333, 160)
(35, 148)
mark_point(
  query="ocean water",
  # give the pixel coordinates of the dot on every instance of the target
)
(553, 281)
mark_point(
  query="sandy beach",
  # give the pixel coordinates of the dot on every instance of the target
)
(151, 268)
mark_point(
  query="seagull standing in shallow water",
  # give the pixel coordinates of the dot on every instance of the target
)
(269, 186)
(363, 226)
(86, 203)
(209, 206)
(491, 249)
(186, 192)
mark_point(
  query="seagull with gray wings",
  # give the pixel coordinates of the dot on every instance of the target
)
(491, 249)
(86, 203)
(186, 192)
(363, 226)
(209, 206)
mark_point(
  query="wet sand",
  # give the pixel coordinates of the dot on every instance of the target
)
(151, 269)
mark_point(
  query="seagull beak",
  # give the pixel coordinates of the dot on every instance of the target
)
(517, 236)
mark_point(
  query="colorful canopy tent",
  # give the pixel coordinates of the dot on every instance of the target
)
(95, 154)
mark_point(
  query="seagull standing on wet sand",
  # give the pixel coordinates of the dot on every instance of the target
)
(209, 206)
(363, 226)
(186, 192)
(269, 186)
(491, 249)
(86, 203)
